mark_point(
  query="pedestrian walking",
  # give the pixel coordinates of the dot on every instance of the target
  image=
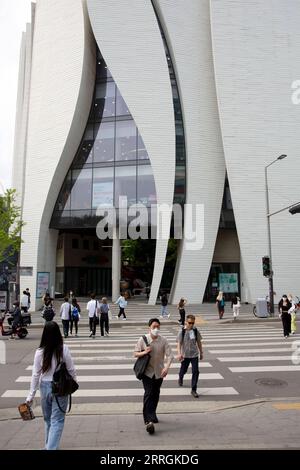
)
(122, 302)
(24, 302)
(50, 352)
(181, 309)
(284, 307)
(220, 303)
(235, 305)
(189, 347)
(104, 320)
(65, 313)
(157, 369)
(29, 297)
(292, 311)
(92, 308)
(75, 316)
(164, 303)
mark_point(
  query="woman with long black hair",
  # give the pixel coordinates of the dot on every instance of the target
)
(51, 352)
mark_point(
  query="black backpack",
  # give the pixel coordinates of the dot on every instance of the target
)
(48, 313)
(194, 330)
(63, 384)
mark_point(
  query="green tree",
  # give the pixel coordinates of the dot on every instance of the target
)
(10, 225)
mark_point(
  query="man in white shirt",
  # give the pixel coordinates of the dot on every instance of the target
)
(24, 302)
(65, 313)
(92, 308)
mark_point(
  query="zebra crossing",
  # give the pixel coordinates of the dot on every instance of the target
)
(104, 364)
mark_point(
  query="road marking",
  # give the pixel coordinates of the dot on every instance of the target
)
(122, 366)
(287, 406)
(130, 392)
(254, 358)
(128, 378)
(242, 351)
(265, 369)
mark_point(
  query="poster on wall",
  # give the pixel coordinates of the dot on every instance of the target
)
(42, 284)
(228, 282)
(3, 300)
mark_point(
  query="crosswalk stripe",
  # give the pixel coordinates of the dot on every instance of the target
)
(127, 392)
(265, 369)
(254, 358)
(128, 378)
(122, 366)
(242, 351)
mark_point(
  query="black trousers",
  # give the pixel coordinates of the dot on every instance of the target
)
(151, 397)
(122, 312)
(65, 324)
(93, 325)
(75, 322)
(182, 315)
(195, 370)
(104, 323)
(286, 323)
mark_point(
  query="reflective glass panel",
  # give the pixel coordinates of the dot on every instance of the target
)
(122, 109)
(104, 142)
(82, 189)
(64, 198)
(125, 140)
(85, 152)
(142, 152)
(105, 100)
(146, 193)
(103, 187)
(125, 184)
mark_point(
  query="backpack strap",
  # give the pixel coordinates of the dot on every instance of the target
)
(145, 340)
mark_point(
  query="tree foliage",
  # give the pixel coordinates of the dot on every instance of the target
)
(10, 225)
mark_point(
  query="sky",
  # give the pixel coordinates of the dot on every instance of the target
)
(14, 14)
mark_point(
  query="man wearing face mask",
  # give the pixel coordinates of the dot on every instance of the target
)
(160, 351)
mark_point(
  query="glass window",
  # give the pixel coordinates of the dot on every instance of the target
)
(105, 100)
(104, 142)
(142, 152)
(85, 152)
(179, 184)
(125, 140)
(64, 198)
(103, 187)
(122, 109)
(146, 193)
(81, 193)
(125, 184)
(102, 70)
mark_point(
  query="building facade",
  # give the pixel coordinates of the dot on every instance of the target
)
(161, 101)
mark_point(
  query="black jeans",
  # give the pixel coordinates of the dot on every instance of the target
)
(286, 323)
(104, 323)
(122, 312)
(65, 324)
(75, 322)
(92, 321)
(195, 370)
(182, 315)
(151, 397)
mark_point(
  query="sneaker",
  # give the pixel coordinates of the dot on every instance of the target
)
(168, 316)
(117, 317)
(150, 428)
(124, 318)
(195, 394)
(91, 334)
(106, 333)
(180, 382)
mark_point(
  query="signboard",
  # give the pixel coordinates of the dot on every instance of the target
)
(228, 282)
(3, 299)
(26, 270)
(42, 284)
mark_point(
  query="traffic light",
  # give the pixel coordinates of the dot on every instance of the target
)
(266, 266)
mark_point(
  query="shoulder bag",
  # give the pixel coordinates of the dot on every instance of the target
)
(141, 363)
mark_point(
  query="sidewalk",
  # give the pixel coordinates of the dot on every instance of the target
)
(255, 424)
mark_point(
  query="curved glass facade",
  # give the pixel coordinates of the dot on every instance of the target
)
(111, 161)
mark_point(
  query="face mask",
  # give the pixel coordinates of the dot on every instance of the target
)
(155, 331)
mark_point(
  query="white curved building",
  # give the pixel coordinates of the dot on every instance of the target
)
(159, 101)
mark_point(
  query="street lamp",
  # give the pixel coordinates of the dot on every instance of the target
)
(271, 291)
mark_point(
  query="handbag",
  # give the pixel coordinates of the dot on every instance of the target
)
(63, 384)
(141, 363)
(26, 412)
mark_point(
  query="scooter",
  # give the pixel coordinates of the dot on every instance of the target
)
(20, 330)
(26, 318)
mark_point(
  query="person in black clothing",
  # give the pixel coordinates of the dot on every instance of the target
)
(284, 306)
(17, 319)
